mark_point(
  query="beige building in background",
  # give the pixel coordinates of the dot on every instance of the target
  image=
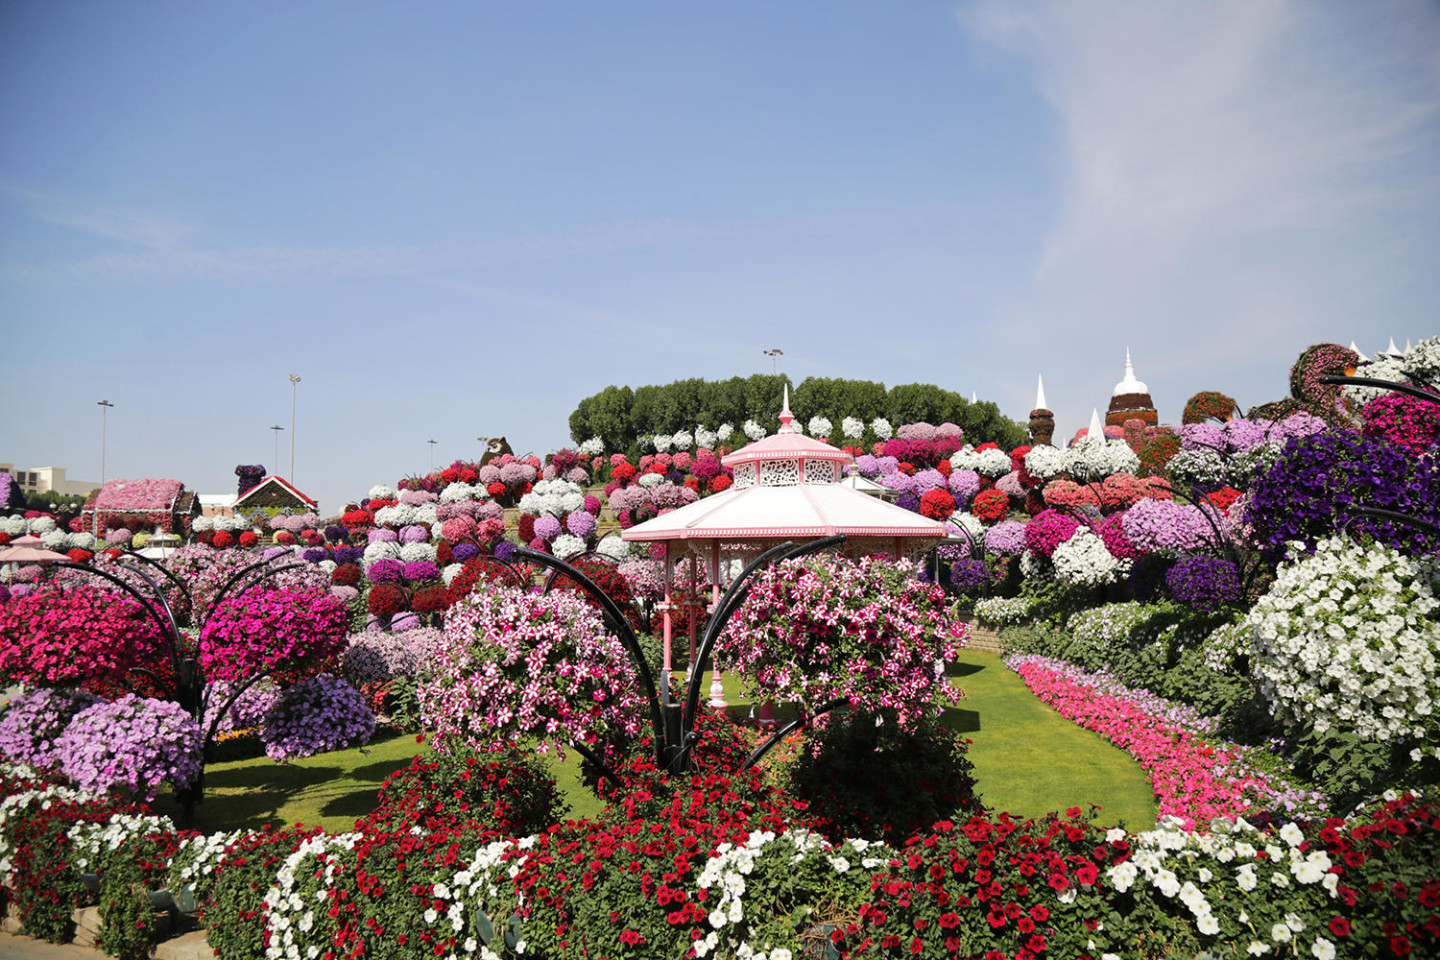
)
(49, 480)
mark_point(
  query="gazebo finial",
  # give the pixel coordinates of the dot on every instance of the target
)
(785, 415)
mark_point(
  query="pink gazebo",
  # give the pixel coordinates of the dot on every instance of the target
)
(787, 487)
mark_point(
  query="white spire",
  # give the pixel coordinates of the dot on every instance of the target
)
(974, 397)
(1394, 351)
(1408, 348)
(1040, 393)
(1096, 431)
(1359, 353)
(1129, 385)
(785, 415)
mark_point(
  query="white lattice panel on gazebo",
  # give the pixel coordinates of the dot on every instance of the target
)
(779, 473)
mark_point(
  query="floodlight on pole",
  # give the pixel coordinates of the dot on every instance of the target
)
(432, 455)
(277, 428)
(294, 380)
(104, 406)
(772, 353)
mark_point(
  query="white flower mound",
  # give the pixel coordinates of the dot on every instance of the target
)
(1349, 637)
(1083, 561)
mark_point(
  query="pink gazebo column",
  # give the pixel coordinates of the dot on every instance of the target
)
(692, 611)
(665, 606)
(716, 703)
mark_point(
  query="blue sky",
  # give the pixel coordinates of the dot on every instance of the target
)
(457, 219)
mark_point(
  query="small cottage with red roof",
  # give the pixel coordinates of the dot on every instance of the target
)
(276, 493)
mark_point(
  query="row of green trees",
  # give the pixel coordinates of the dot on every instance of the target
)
(621, 415)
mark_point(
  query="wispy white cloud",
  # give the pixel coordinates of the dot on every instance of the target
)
(1188, 123)
(1233, 172)
(166, 257)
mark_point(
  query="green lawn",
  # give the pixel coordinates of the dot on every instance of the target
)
(1028, 760)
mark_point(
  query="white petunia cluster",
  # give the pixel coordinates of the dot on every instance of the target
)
(554, 497)
(460, 491)
(753, 430)
(613, 547)
(993, 463)
(1002, 610)
(1084, 561)
(1235, 869)
(705, 439)
(819, 426)
(852, 428)
(1350, 637)
(1044, 461)
(661, 442)
(95, 842)
(382, 492)
(593, 447)
(881, 428)
(723, 432)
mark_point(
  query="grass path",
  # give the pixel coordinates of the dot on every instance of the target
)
(1028, 760)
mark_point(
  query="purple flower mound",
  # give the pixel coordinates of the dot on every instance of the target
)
(1202, 436)
(414, 534)
(516, 473)
(271, 553)
(964, 484)
(133, 744)
(504, 550)
(33, 721)
(315, 555)
(246, 712)
(547, 527)
(969, 576)
(908, 501)
(1006, 538)
(1048, 530)
(927, 480)
(1312, 489)
(463, 552)
(899, 482)
(421, 570)
(1202, 582)
(337, 534)
(1010, 485)
(347, 554)
(580, 523)
(867, 466)
(381, 535)
(1245, 434)
(316, 716)
(1167, 525)
(385, 571)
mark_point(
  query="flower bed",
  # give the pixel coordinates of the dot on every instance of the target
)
(1197, 777)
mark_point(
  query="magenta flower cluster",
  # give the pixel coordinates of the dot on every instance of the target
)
(263, 629)
(1048, 530)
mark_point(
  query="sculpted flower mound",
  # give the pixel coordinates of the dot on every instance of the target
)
(822, 628)
(513, 665)
(58, 637)
(1349, 637)
(263, 629)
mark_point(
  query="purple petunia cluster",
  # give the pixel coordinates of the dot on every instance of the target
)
(1203, 582)
(133, 744)
(33, 721)
(316, 716)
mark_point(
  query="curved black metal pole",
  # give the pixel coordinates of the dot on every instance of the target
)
(600, 764)
(171, 639)
(179, 584)
(786, 730)
(733, 597)
(555, 574)
(1380, 513)
(1418, 392)
(627, 636)
(234, 697)
(241, 573)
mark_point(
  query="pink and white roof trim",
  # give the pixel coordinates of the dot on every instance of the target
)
(787, 486)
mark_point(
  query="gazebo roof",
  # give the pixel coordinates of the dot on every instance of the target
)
(787, 486)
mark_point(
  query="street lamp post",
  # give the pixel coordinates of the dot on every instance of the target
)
(294, 380)
(104, 406)
(772, 354)
(432, 455)
(277, 428)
